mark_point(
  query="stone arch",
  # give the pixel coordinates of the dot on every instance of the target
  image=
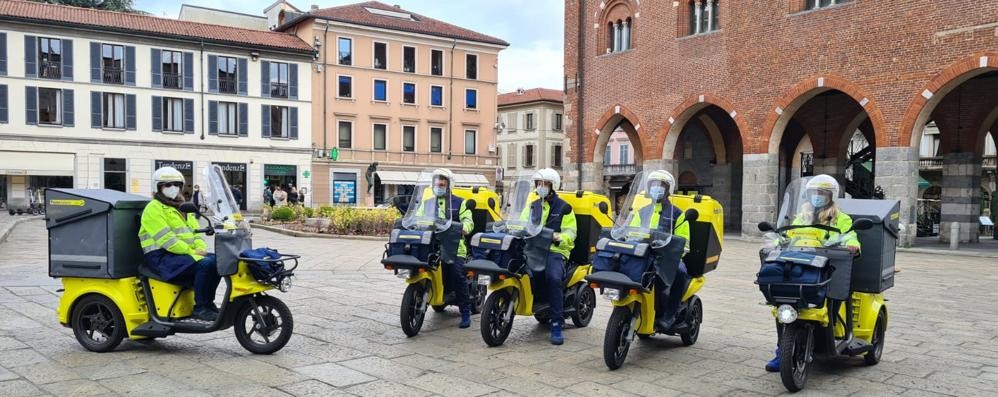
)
(616, 116)
(925, 100)
(798, 95)
(681, 115)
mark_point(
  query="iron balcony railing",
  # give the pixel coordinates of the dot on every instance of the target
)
(227, 85)
(936, 162)
(410, 158)
(278, 90)
(172, 80)
(112, 75)
(50, 70)
(621, 169)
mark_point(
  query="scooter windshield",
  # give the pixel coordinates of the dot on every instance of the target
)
(522, 211)
(797, 210)
(220, 201)
(645, 210)
(429, 210)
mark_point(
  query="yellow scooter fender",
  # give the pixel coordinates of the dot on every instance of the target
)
(580, 275)
(243, 283)
(646, 303)
(695, 285)
(521, 286)
(126, 293)
(436, 280)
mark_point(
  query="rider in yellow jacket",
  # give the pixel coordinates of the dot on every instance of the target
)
(172, 250)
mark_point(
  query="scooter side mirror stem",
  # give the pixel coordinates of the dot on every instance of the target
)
(766, 227)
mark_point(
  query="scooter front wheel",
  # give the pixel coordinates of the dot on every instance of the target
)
(97, 323)
(796, 347)
(413, 311)
(617, 340)
(266, 328)
(497, 317)
(695, 318)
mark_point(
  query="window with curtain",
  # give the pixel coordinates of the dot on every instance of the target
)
(345, 89)
(50, 106)
(436, 139)
(469, 142)
(380, 137)
(380, 56)
(409, 59)
(409, 138)
(409, 93)
(114, 110)
(280, 122)
(173, 115)
(345, 135)
(228, 118)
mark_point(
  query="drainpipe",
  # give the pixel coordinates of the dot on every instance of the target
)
(203, 115)
(325, 108)
(580, 107)
(450, 106)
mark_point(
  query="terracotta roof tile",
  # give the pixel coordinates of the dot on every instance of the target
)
(118, 21)
(358, 14)
(531, 95)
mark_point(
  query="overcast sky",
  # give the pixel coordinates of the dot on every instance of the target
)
(534, 29)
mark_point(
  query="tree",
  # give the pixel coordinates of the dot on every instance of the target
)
(107, 5)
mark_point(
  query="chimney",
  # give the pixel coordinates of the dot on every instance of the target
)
(315, 7)
(398, 6)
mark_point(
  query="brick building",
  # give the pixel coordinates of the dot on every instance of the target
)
(737, 99)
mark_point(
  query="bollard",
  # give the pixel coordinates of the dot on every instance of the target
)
(954, 236)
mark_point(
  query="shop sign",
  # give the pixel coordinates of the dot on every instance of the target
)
(280, 170)
(345, 192)
(232, 167)
(179, 165)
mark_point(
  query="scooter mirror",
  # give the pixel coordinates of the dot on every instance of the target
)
(470, 204)
(766, 227)
(692, 214)
(862, 224)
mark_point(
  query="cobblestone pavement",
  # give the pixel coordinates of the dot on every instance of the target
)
(943, 340)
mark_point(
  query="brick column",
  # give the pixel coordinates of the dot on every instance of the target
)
(897, 174)
(961, 198)
(759, 190)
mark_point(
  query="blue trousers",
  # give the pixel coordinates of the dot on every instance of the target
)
(455, 279)
(676, 292)
(554, 284)
(203, 276)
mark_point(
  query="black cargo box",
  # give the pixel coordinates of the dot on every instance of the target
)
(873, 271)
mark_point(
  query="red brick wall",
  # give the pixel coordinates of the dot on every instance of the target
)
(766, 55)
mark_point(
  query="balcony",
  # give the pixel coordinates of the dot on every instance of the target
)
(621, 170)
(227, 85)
(367, 156)
(50, 70)
(278, 90)
(172, 80)
(936, 163)
(112, 75)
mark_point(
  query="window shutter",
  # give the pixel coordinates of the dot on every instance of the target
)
(264, 79)
(293, 81)
(293, 113)
(4, 110)
(157, 113)
(157, 68)
(95, 109)
(31, 105)
(265, 121)
(212, 117)
(243, 119)
(130, 110)
(242, 72)
(3, 54)
(130, 65)
(68, 108)
(95, 63)
(67, 60)
(188, 116)
(189, 71)
(30, 56)
(212, 73)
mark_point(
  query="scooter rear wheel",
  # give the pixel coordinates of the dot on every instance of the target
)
(796, 347)
(615, 342)
(497, 318)
(873, 358)
(585, 305)
(413, 311)
(696, 317)
(97, 323)
(265, 330)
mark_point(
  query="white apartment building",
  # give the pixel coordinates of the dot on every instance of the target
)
(531, 132)
(97, 99)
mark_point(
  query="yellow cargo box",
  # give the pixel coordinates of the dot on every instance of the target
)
(486, 208)
(706, 234)
(592, 214)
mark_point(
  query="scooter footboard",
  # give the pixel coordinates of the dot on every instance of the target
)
(486, 267)
(615, 280)
(407, 262)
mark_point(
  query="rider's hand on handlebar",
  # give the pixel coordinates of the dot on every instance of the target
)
(853, 250)
(557, 237)
(200, 252)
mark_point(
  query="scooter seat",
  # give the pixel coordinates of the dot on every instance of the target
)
(608, 279)
(404, 261)
(147, 272)
(486, 267)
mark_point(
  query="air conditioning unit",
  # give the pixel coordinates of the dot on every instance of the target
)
(492, 148)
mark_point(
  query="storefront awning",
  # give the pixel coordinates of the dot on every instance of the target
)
(35, 163)
(922, 183)
(411, 178)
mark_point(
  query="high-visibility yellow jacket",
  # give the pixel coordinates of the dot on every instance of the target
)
(165, 228)
(813, 237)
(557, 215)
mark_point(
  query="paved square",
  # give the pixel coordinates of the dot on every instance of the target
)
(942, 340)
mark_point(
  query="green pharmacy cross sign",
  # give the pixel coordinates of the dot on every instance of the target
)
(334, 154)
(306, 174)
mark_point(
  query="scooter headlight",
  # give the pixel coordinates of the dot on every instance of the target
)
(484, 280)
(285, 284)
(786, 314)
(403, 274)
(611, 294)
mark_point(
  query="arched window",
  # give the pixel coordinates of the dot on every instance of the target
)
(619, 25)
(703, 16)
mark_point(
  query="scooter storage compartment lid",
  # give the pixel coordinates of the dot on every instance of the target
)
(93, 233)
(873, 271)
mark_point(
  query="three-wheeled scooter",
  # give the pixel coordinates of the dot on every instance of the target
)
(108, 292)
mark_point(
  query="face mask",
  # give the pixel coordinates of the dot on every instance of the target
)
(818, 201)
(439, 191)
(171, 192)
(656, 192)
(543, 191)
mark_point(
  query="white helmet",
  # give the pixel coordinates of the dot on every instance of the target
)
(664, 177)
(548, 175)
(823, 183)
(443, 173)
(166, 175)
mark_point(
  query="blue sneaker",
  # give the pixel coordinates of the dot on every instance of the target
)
(556, 337)
(465, 319)
(774, 364)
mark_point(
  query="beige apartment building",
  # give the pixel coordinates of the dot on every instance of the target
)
(532, 135)
(395, 93)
